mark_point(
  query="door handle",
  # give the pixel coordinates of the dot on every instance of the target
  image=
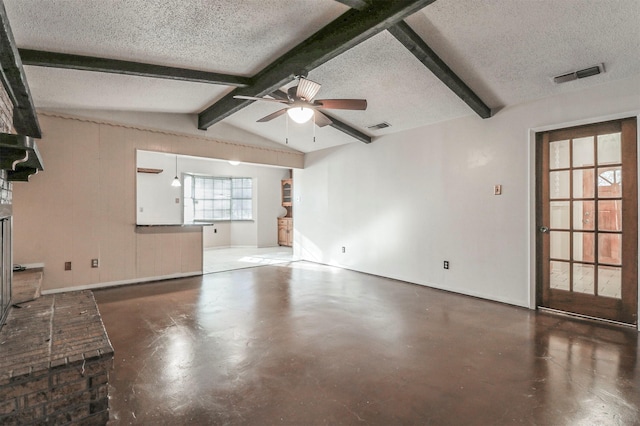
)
(544, 229)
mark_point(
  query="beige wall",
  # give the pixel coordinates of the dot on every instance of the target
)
(83, 205)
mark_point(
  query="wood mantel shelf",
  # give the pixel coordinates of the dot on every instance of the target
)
(148, 170)
(19, 155)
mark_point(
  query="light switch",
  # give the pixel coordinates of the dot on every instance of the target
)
(497, 189)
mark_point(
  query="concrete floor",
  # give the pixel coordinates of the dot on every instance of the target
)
(304, 344)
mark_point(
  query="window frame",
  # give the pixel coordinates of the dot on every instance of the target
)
(231, 200)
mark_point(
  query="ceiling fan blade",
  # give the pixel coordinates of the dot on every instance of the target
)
(355, 104)
(321, 119)
(272, 115)
(253, 98)
(307, 89)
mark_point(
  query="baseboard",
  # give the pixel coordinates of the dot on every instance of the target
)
(122, 282)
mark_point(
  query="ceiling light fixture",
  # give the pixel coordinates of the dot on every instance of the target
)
(176, 182)
(300, 114)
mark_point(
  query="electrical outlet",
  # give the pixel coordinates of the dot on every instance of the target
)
(67, 266)
(177, 200)
(446, 264)
(215, 231)
(344, 249)
(94, 263)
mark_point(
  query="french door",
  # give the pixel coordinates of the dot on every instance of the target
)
(587, 218)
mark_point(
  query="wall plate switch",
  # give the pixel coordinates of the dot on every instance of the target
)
(497, 189)
(177, 200)
(446, 264)
(344, 249)
(94, 263)
(67, 266)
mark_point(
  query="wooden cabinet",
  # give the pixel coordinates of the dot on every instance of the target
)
(285, 231)
(285, 224)
(287, 192)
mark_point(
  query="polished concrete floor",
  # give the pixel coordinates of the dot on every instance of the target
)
(305, 344)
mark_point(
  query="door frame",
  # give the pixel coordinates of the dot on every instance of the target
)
(533, 229)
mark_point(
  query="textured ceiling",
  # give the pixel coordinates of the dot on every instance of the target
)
(233, 37)
(507, 51)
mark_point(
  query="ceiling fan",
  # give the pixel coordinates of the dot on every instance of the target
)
(301, 105)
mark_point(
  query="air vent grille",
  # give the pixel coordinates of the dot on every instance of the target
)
(574, 75)
(379, 126)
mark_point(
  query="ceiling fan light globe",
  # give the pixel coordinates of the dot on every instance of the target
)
(300, 114)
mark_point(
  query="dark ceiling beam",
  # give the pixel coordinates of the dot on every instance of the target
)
(355, 4)
(345, 128)
(90, 63)
(345, 32)
(412, 41)
(14, 80)
(335, 123)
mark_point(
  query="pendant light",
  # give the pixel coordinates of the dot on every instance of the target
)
(176, 182)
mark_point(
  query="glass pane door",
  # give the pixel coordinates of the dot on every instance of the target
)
(587, 197)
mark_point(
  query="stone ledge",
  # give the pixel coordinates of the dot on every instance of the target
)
(51, 331)
(55, 358)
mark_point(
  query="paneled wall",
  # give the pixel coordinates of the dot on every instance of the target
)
(83, 206)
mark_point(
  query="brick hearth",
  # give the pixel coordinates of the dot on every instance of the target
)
(55, 358)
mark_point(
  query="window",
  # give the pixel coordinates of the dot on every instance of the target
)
(209, 198)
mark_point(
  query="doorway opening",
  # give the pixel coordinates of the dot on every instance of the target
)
(231, 258)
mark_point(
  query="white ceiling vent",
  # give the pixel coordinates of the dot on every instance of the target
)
(574, 75)
(379, 126)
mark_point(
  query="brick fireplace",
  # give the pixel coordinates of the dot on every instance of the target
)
(5, 261)
(55, 360)
(6, 112)
(55, 355)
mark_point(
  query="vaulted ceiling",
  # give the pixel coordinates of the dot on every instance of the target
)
(417, 62)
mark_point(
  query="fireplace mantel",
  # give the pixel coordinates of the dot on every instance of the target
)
(19, 155)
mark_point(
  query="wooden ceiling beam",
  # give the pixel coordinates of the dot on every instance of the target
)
(14, 80)
(345, 32)
(335, 123)
(91, 63)
(412, 41)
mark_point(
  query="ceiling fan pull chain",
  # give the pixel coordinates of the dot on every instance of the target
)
(314, 127)
(286, 140)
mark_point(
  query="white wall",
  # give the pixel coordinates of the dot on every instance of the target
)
(155, 197)
(216, 236)
(406, 202)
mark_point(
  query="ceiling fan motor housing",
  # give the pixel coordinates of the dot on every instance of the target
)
(291, 93)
